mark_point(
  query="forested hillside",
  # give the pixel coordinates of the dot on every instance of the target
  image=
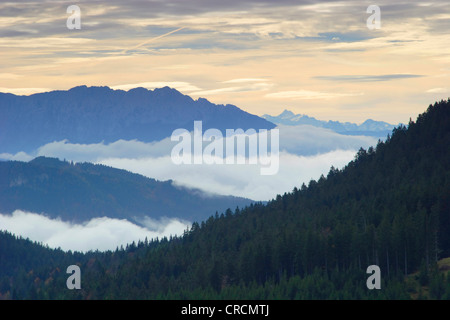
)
(389, 207)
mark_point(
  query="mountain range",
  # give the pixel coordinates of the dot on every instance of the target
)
(95, 114)
(389, 207)
(88, 115)
(368, 128)
(82, 191)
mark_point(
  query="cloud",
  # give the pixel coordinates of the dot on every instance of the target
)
(247, 85)
(216, 91)
(97, 151)
(369, 78)
(24, 91)
(20, 156)
(438, 90)
(244, 80)
(310, 95)
(97, 234)
(179, 85)
(49, 42)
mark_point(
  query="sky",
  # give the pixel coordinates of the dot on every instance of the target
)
(311, 57)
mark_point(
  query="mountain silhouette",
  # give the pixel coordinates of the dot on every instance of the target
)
(94, 114)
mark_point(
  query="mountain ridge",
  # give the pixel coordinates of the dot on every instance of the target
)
(82, 191)
(368, 127)
(93, 114)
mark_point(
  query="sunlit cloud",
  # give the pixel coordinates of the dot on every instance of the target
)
(310, 95)
(245, 80)
(368, 78)
(258, 86)
(438, 90)
(19, 156)
(24, 91)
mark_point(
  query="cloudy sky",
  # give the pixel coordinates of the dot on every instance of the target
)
(315, 58)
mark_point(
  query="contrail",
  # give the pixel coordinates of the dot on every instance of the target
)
(152, 39)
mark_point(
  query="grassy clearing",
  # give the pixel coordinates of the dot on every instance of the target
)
(418, 284)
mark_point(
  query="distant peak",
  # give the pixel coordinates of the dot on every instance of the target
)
(83, 87)
(92, 88)
(138, 89)
(166, 89)
(287, 113)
